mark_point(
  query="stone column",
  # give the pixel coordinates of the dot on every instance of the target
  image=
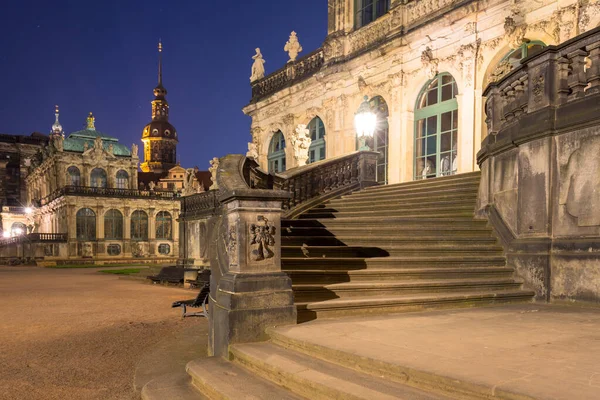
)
(152, 231)
(466, 123)
(127, 231)
(249, 292)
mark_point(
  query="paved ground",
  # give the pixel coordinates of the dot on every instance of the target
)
(77, 334)
(542, 351)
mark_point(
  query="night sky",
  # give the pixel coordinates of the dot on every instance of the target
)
(101, 56)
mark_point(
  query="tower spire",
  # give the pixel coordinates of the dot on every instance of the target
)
(159, 62)
(57, 128)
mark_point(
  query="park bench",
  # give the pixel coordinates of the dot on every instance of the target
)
(168, 275)
(200, 301)
(201, 279)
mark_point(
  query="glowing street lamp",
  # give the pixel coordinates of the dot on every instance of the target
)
(6, 234)
(365, 122)
(28, 210)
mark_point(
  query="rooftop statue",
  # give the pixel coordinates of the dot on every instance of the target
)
(214, 166)
(258, 68)
(293, 47)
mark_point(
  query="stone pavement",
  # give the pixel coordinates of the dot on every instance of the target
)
(529, 351)
(70, 334)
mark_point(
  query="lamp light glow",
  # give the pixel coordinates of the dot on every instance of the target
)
(28, 210)
(6, 234)
(365, 122)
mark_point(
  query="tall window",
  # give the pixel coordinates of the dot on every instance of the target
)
(276, 155)
(367, 11)
(122, 179)
(139, 225)
(164, 224)
(74, 177)
(380, 139)
(514, 57)
(98, 178)
(18, 229)
(316, 151)
(113, 225)
(85, 222)
(436, 128)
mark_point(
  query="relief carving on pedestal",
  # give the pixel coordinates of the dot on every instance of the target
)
(262, 239)
(231, 246)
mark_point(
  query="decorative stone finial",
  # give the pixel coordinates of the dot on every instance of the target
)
(214, 167)
(91, 122)
(57, 128)
(300, 141)
(258, 68)
(293, 47)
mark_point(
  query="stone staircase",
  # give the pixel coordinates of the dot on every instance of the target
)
(385, 249)
(397, 248)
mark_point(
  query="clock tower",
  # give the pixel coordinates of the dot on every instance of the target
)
(159, 136)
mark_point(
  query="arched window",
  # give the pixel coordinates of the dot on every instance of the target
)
(86, 224)
(164, 225)
(380, 139)
(98, 178)
(276, 155)
(18, 229)
(139, 225)
(122, 179)
(436, 128)
(316, 151)
(367, 11)
(74, 177)
(113, 225)
(514, 57)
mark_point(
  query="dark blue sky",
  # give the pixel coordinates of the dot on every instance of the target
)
(101, 56)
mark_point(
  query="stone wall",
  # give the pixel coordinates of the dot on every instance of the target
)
(540, 171)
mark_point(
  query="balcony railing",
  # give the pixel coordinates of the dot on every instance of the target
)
(13, 209)
(106, 192)
(200, 203)
(536, 97)
(290, 74)
(35, 238)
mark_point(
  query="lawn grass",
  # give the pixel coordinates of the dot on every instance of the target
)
(104, 265)
(124, 271)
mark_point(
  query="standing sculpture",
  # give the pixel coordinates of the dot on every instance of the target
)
(134, 150)
(300, 141)
(252, 151)
(188, 183)
(258, 68)
(214, 166)
(293, 47)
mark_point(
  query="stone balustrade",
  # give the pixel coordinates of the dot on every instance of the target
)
(292, 73)
(105, 192)
(35, 238)
(539, 164)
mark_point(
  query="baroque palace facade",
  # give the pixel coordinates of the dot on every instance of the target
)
(422, 65)
(81, 196)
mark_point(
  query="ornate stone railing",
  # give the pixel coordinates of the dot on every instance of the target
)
(319, 181)
(35, 238)
(13, 209)
(292, 73)
(200, 203)
(531, 99)
(105, 192)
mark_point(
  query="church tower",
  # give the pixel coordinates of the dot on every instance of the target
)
(159, 136)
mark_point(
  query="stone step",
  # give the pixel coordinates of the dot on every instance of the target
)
(392, 201)
(396, 262)
(417, 372)
(324, 276)
(415, 248)
(319, 292)
(383, 223)
(177, 385)
(384, 241)
(411, 193)
(387, 232)
(217, 378)
(424, 202)
(413, 302)
(420, 210)
(316, 379)
(451, 213)
(452, 180)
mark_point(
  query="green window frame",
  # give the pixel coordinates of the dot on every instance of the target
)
(98, 178)
(74, 176)
(525, 50)
(122, 179)
(367, 11)
(436, 128)
(276, 156)
(164, 225)
(316, 151)
(139, 225)
(113, 225)
(85, 224)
